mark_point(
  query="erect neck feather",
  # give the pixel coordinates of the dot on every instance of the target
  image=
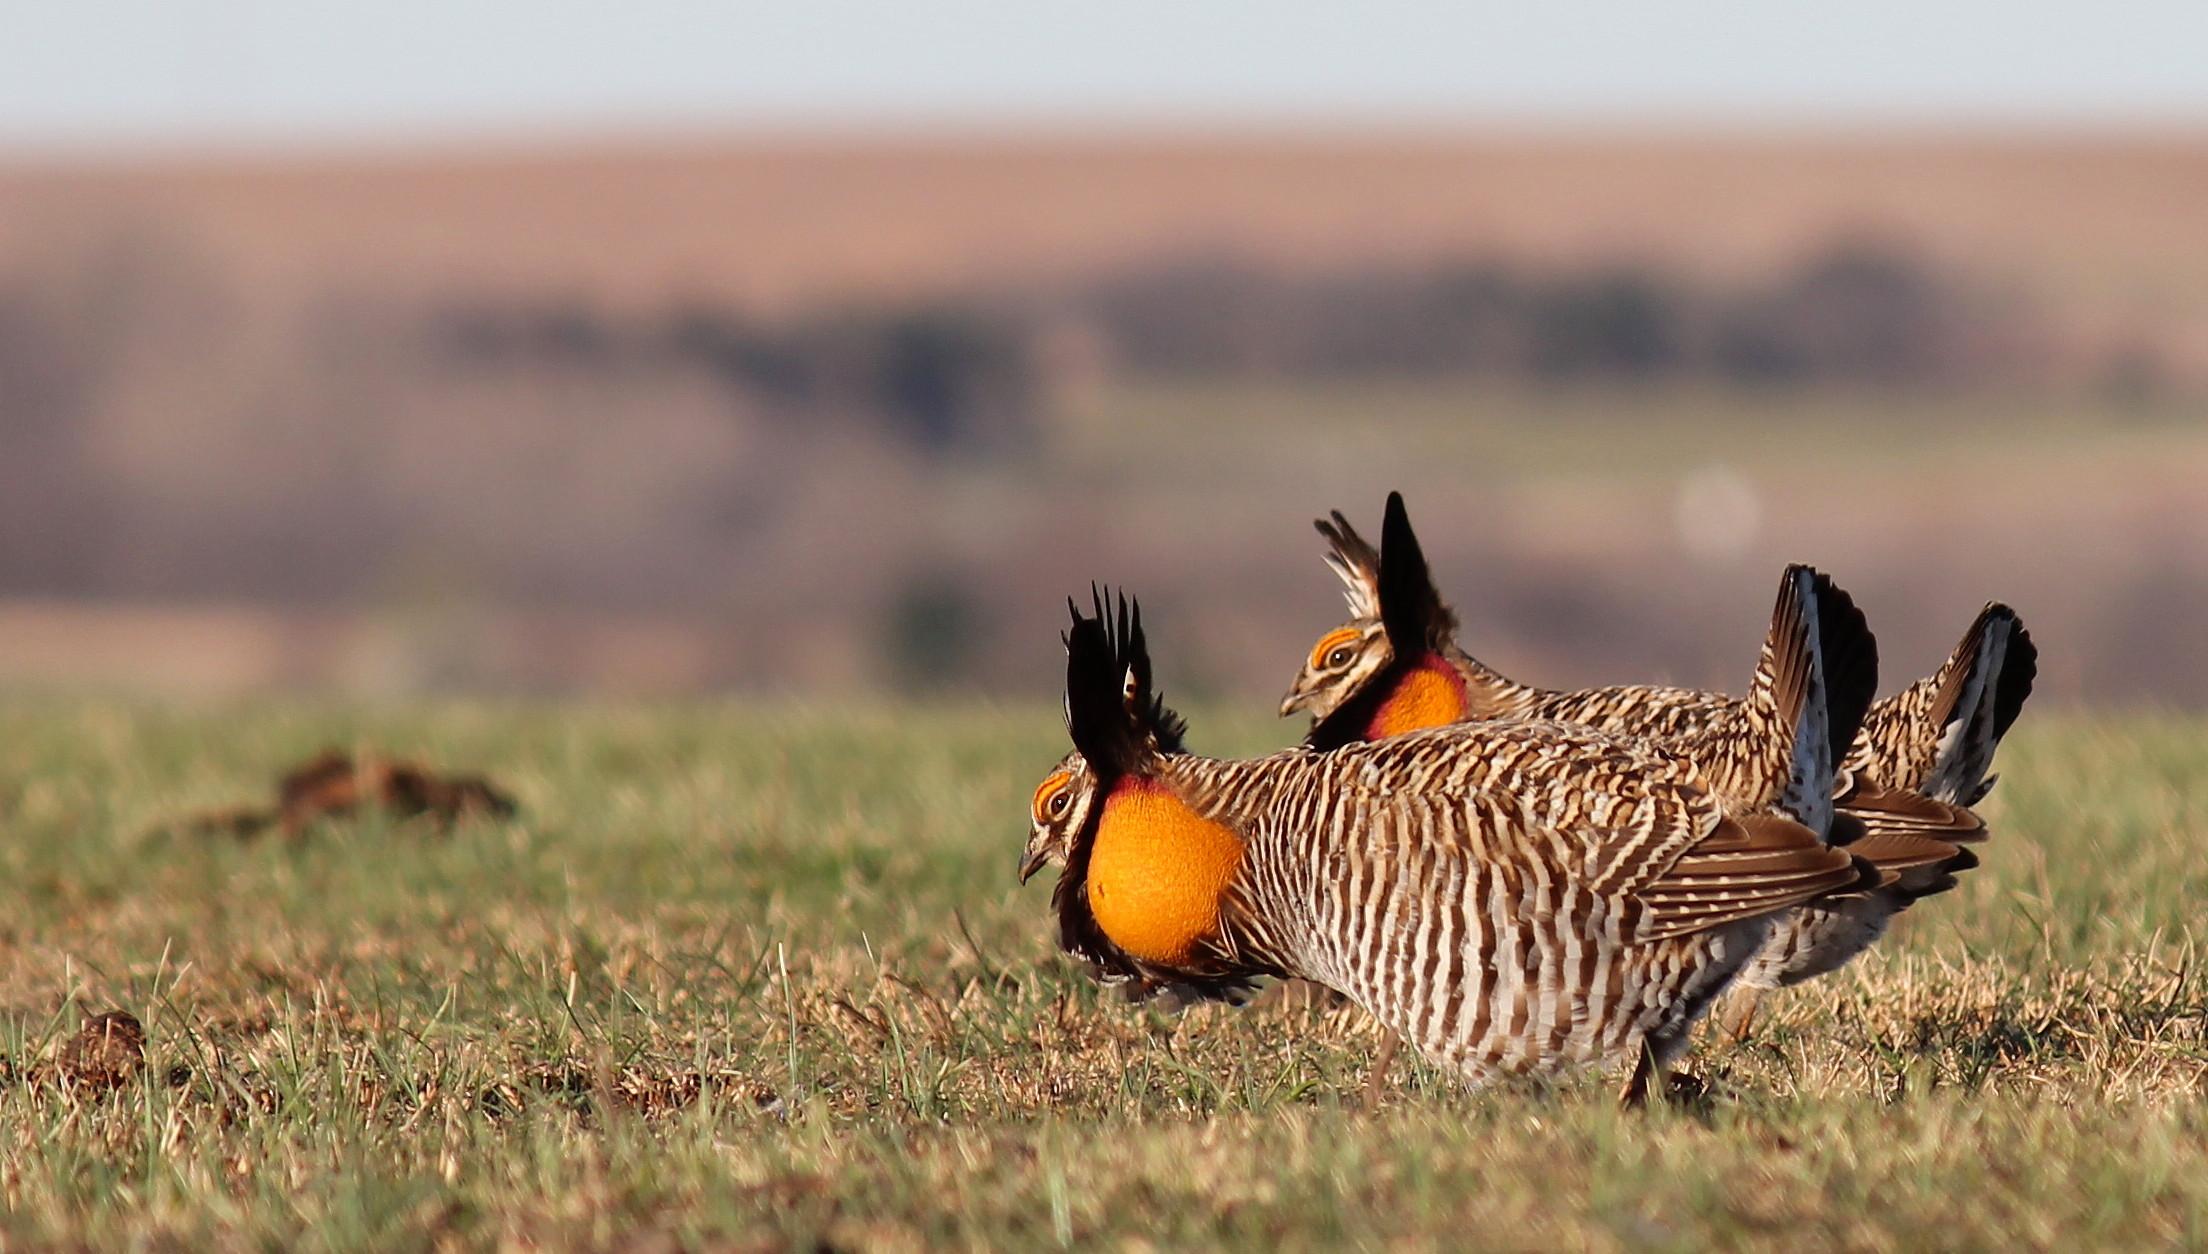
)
(1428, 693)
(1158, 872)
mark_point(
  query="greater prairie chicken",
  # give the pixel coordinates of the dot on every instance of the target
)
(1920, 756)
(1511, 897)
(1935, 737)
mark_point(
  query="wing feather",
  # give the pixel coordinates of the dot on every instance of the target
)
(1746, 867)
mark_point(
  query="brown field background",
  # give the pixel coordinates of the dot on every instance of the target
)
(262, 425)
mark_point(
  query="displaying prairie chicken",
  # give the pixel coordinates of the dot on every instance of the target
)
(1936, 737)
(1512, 897)
(1921, 755)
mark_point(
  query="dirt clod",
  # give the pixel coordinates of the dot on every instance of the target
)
(106, 1053)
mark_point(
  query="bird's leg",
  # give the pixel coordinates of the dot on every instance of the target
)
(1738, 1016)
(1376, 1079)
(1635, 1094)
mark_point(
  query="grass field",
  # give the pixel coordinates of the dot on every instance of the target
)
(761, 976)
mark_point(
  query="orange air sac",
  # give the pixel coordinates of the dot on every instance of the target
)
(1158, 871)
(1431, 696)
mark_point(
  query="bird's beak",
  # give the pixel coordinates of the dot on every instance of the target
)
(1032, 861)
(1294, 701)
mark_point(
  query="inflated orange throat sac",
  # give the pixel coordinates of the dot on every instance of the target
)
(1431, 696)
(1157, 872)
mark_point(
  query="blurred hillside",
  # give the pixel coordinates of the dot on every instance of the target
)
(836, 416)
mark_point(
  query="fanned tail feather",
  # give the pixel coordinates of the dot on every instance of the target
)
(1813, 686)
(1975, 697)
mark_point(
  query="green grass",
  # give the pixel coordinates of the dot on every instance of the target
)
(761, 976)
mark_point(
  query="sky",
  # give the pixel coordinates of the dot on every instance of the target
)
(93, 73)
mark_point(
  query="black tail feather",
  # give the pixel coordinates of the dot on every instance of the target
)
(2018, 669)
(1850, 660)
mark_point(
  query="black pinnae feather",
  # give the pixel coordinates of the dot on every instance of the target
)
(1168, 730)
(1096, 711)
(1410, 608)
(1117, 718)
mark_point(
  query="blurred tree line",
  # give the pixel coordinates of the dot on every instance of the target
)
(966, 373)
(939, 379)
(1860, 312)
(162, 437)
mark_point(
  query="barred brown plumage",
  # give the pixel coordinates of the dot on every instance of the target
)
(1917, 759)
(1512, 897)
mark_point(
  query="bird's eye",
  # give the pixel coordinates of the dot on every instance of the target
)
(1050, 797)
(1339, 657)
